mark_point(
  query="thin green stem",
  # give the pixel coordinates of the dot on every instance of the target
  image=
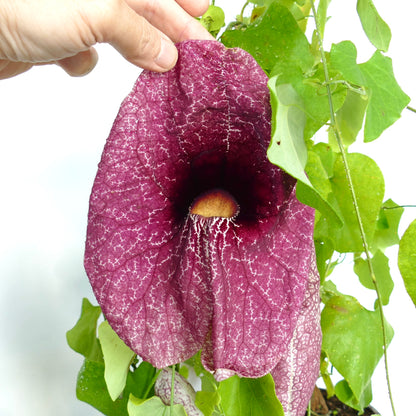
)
(413, 110)
(354, 200)
(172, 391)
(150, 385)
(401, 206)
(242, 10)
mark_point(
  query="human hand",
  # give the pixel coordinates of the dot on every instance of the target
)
(38, 32)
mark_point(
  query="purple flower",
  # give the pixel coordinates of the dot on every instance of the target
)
(195, 240)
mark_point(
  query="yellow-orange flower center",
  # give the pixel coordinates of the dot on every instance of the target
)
(215, 203)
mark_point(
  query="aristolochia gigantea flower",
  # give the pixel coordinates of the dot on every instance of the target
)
(195, 240)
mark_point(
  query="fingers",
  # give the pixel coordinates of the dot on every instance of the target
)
(134, 37)
(195, 8)
(80, 64)
(143, 31)
(10, 69)
(170, 18)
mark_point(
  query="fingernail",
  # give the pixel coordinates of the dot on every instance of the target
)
(168, 54)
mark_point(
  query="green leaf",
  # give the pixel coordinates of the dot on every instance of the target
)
(272, 37)
(282, 50)
(328, 291)
(117, 358)
(213, 19)
(250, 396)
(321, 15)
(287, 148)
(376, 29)
(343, 58)
(387, 100)
(153, 406)
(317, 196)
(387, 226)
(91, 388)
(82, 338)
(139, 381)
(382, 272)
(184, 371)
(407, 260)
(353, 342)
(350, 118)
(310, 87)
(324, 252)
(346, 395)
(327, 157)
(207, 401)
(368, 182)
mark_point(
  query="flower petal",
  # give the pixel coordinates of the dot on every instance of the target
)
(171, 282)
(296, 373)
(259, 275)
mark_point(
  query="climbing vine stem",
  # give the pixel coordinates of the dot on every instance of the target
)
(172, 390)
(337, 134)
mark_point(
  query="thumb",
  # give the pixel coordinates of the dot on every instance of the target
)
(135, 38)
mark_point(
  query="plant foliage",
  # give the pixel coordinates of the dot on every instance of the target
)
(366, 100)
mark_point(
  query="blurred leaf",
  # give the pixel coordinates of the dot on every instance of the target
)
(208, 382)
(368, 182)
(138, 381)
(353, 342)
(326, 375)
(250, 396)
(91, 388)
(153, 406)
(386, 234)
(327, 157)
(382, 272)
(272, 37)
(257, 12)
(117, 359)
(324, 252)
(350, 118)
(376, 29)
(346, 395)
(287, 148)
(407, 260)
(328, 290)
(184, 371)
(343, 58)
(82, 338)
(317, 196)
(310, 87)
(387, 100)
(213, 20)
(207, 401)
(321, 15)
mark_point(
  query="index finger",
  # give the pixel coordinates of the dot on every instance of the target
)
(194, 7)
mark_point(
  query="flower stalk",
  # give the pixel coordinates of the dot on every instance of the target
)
(338, 137)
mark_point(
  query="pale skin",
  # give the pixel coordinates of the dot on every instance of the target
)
(64, 32)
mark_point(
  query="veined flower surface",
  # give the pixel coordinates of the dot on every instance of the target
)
(172, 271)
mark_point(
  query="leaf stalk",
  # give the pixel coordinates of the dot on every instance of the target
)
(337, 133)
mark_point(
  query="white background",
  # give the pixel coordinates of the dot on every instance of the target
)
(52, 131)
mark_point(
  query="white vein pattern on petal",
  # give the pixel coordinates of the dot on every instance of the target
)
(296, 374)
(154, 282)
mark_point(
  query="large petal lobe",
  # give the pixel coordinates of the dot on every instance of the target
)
(170, 282)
